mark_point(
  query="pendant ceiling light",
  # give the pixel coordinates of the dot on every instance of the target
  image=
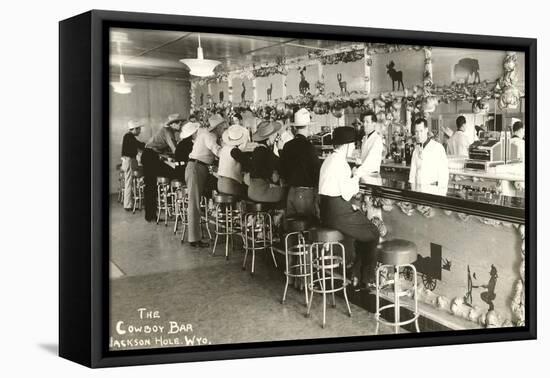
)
(121, 86)
(200, 66)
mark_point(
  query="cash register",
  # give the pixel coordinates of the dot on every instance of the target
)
(484, 154)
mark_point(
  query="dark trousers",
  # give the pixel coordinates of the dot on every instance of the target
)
(337, 213)
(302, 201)
(153, 167)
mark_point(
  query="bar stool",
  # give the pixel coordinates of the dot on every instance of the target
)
(176, 201)
(323, 263)
(163, 192)
(182, 208)
(204, 218)
(297, 227)
(120, 183)
(226, 212)
(258, 231)
(138, 186)
(396, 254)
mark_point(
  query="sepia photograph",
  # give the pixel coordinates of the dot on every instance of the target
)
(273, 189)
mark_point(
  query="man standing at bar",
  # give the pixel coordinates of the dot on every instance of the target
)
(163, 141)
(517, 143)
(429, 166)
(458, 144)
(300, 169)
(205, 150)
(130, 146)
(372, 147)
(337, 188)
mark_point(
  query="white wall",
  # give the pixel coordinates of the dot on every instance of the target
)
(151, 101)
(29, 242)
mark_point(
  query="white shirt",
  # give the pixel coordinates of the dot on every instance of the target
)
(517, 148)
(429, 166)
(458, 144)
(372, 151)
(229, 167)
(286, 136)
(335, 177)
(205, 147)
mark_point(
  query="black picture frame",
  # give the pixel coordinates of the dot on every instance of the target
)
(84, 209)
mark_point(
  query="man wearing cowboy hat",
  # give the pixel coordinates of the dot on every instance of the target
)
(185, 146)
(205, 150)
(263, 164)
(130, 147)
(300, 169)
(230, 177)
(163, 141)
(337, 188)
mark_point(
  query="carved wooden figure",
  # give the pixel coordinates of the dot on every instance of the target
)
(395, 76)
(343, 85)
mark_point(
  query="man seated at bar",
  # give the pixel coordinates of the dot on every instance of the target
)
(337, 188)
(205, 150)
(372, 147)
(130, 147)
(459, 143)
(162, 142)
(230, 176)
(429, 165)
(517, 143)
(263, 165)
(300, 169)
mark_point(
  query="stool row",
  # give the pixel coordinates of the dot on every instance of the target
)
(317, 257)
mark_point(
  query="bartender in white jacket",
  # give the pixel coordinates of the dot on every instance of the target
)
(459, 143)
(429, 167)
(372, 147)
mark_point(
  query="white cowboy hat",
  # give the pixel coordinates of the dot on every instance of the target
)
(235, 135)
(189, 129)
(215, 121)
(133, 124)
(302, 118)
(173, 118)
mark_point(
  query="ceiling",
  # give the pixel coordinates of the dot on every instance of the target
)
(156, 53)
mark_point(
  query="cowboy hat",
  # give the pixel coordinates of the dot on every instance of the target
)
(214, 121)
(133, 124)
(343, 135)
(302, 118)
(265, 130)
(189, 129)
(235, 135)
(172, 118)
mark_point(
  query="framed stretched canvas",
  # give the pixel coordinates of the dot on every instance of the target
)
(236, 188)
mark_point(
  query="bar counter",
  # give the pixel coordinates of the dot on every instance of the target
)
(470, 249)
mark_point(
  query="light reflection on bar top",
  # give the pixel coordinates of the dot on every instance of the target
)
(468, 195)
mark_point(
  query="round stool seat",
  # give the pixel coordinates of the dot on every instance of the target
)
(326, 235)
(224, 198)
(163, 180)
(176, 184)
(396, 252)
(298, 224)
(255, 207)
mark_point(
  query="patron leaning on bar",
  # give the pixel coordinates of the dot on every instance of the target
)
(337, 187)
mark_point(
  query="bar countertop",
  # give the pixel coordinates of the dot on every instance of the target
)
(484, 204)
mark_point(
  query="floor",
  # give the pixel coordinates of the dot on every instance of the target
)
(164, 293)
